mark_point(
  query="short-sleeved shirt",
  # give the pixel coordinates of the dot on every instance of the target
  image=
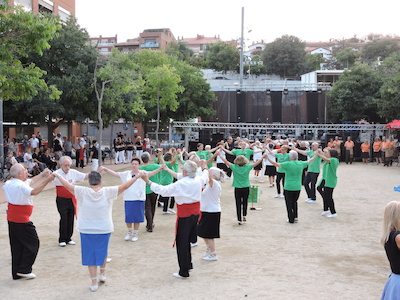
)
(329, 172)
(246, 152)
(241, 175)
(280, 157)
(153, 178)
(210, 198)
(18, 192)
(393, 252)
(137, 191)
(72, 176)
(365, 147)
(95, 209)
(314, 166)
(293, 174)
(164, 177)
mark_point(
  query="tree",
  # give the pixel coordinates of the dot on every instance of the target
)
(346, 58)
(314, 61)
(179, 50)
(69, 65)
(378, 50)
(285, 56)
(353, 96)
(223, 57)
(389, 100)
(22, 32)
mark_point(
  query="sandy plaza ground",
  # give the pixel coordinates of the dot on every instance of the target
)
(267, 258)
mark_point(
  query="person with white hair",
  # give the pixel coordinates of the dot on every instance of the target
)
(66, 202)
(24, 241)
(210, 207)
(187, 193)
(292, 186)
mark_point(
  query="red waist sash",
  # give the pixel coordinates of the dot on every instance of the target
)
(184, 211)
(62, 192)
(19, 213)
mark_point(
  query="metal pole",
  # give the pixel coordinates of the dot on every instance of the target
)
(241, 51)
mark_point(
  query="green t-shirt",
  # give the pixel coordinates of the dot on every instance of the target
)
(314, 167)
(293, 174)
(246, 152)
(329, 172)
(241, 175)
(153, 178)
(280, 157)
(164, 177)
(205, 155)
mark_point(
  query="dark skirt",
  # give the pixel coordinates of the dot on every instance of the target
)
(258, 167)
(364, 154)
(270, 171)
(208, 227)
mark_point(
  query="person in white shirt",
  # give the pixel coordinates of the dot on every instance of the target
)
(187, 193)
(66, 202)
(34, 141)
(95, 220)
(210, 207)
(24, 241)
(134, 197)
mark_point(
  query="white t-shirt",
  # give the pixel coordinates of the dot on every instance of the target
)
(257, 153)
(270, 156)
(18, 192)
(210, 198)
(137, 191)
(95, 209)
(34, 143)
(72, 176)
(219, 159)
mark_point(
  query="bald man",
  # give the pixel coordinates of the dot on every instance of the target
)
(24, 241)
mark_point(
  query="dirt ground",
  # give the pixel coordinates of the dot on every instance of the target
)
(267, 258)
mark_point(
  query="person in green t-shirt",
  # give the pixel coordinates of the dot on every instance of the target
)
(329, 180)
(166, 179)
(205, 154)
(280, 173)
(241, 169)
(241, 151)
(310, 180)
(291, 189)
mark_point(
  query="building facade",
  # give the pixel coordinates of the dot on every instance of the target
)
(104, 44)
(62, 8)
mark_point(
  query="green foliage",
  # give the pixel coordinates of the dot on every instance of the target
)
(23, 32)
(285, 56)
(389, 101)
(179, 50)
(313, 62)
(378, 50)
(346, 58)
(353, 96)
(223, 57)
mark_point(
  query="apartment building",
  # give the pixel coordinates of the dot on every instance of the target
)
(200, 43)
(104, 44)
(156, 39)
(61, 8)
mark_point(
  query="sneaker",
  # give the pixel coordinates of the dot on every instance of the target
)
(171, 210)
(109, 259)
(62, 244)
(71, 243)
(135, 237)
(128, 236)
(166, 213)
(161, 204)
(240, 223)
(271, 185)
(281, 196)
(176, 275)
(27, 276)
(207, 253)
(94, 288)
(325, 212)
(193, 244)
(261, 180)
(210, 257)
(244, 219)
(102, 278)
(277, 196)
(307, 199)
(332, 216)
(310, 201)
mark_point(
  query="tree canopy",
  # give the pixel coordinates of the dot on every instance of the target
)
(378, 50)
(223, 57)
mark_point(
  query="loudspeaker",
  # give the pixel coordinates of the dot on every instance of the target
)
(241, 107)
(276, 103)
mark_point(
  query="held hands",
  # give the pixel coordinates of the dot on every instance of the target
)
(203, 164)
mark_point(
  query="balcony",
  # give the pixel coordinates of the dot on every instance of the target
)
(150, 45)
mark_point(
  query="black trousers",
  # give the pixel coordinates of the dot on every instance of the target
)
(241, 197)
(184, 235)
(150, 208)
(280, 177)
(327, 196)
(291, 198)
(78, 162)
(24, 243)
(65, 208)
(309, 183)
(165, 200)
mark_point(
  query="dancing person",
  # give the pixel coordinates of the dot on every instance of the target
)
(365, 147)
(24, 241)
(310, 180)
(241, 169)
(210, 207)
(391, 241)
(293, 182)
(165, 179)
(270, 169)
(95, 220)
(187, 193)
(134, 197)
(280, 173)
(257, 153)
(94, 155)
(328, 181)
(66, 202)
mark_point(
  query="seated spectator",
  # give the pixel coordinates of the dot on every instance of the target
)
(10, 160)
(37, 158)
(48, 160)
(30, 165)
(58, 150)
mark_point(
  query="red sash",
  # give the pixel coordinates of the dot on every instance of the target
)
(19, 213)
(184, 211)
(81, 154)
(62, 192)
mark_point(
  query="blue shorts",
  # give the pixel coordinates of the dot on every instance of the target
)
(94, 248)
(134, 211)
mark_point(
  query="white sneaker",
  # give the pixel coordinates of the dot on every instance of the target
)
(178, 276)
(310, 201)
(166, 213)
(171, 210)
(281, 196)
(307, 199)
(71, 243)
(62, 244)
(332, 216)
(102, 278)
(135, 237)
(325, 212)
(193, 244)
(94, 288)
(210, 257)
(277, 196)
(27, 276)
(128, 236)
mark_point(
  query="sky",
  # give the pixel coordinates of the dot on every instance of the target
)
(264, 20)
